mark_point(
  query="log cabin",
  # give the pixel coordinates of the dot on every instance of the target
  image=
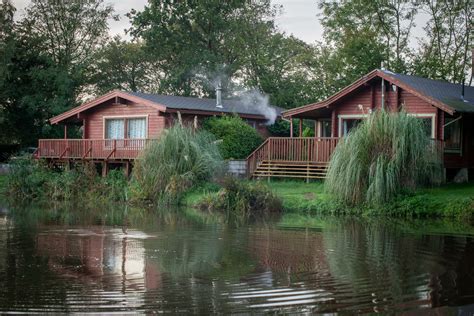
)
(115, 127)
(446, 108)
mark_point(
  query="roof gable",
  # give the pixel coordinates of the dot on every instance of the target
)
(113, 94)
(443, 95)
(167, 103)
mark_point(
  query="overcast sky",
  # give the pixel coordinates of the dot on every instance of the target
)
(299, 17)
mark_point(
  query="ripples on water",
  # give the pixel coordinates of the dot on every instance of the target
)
(347, 266)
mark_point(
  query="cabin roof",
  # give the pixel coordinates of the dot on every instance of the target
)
(441, 94)
(168, 103)
(202, 104)
(443, 91)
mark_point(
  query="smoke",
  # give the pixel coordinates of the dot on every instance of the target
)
(253, 98)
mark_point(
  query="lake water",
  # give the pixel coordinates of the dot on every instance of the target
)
(129, 261)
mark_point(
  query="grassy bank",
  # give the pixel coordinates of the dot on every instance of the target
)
(448, 201)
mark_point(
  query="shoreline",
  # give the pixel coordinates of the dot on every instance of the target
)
(450, 201)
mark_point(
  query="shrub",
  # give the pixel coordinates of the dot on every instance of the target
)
(180, 159)
(27, 178)
(32, 180)
(238, 138)
(384, 155)
(242, 200)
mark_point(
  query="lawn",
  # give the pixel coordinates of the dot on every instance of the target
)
(299, 197)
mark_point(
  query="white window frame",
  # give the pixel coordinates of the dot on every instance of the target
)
(432, 116)
(111, 117)
(342, 117)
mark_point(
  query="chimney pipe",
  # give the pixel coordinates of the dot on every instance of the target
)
(219, 95)
(462, 89)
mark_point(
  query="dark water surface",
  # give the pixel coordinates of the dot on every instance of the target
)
(181, 262)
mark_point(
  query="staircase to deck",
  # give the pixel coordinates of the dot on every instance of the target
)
(285, 157)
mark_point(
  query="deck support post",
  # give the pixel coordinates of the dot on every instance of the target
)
(291, 127)
(300, 128)
(105, 168)
(65, 131)
(127, 169)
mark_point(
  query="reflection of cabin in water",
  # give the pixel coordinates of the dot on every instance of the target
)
(118, 125)
(446, 108)
(91, 254)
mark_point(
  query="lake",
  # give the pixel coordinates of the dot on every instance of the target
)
(65, 259)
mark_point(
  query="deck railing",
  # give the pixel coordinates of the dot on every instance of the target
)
(292, 149)
(91, 148)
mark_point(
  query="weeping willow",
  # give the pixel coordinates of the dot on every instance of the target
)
(386, 154)
(180, 159)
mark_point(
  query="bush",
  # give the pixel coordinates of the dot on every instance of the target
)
(32, 180)
(238, 138)
(177, 162)
(386, 154)
(242, 200)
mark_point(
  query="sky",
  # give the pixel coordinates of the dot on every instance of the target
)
(299, 17)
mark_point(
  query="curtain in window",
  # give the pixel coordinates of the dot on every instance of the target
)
(136, 128)
(114, 129)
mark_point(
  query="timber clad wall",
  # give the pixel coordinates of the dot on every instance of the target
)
(94, 128)
(370, 97)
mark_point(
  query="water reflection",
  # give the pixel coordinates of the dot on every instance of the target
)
(182, 262)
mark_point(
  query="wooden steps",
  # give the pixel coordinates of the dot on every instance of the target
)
(285, 169)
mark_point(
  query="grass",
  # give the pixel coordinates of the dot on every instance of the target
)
(310, 199)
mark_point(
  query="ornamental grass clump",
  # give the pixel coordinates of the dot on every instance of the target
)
(179, 160)
(385, 155)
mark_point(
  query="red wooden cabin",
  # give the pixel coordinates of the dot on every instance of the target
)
(116, 126)
(447, 108)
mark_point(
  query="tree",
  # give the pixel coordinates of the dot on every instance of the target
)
(282, 67)
(196, 42)
(444, 54)
(46, 62)
(389, 23)
(126, 66)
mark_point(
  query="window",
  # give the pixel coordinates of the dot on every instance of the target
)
(428, 123)
(114, 129)
(428, 126)
(325, 128)
(136, 128)
(349, 124)
(452, 135)
(121, 128)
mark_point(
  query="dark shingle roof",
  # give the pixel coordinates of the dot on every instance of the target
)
(445, 92)
(203, 104)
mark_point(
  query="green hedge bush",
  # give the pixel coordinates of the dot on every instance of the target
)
(238, 139)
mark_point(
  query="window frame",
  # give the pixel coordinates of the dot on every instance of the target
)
(124, 118)
(342, 117)
(431, 116)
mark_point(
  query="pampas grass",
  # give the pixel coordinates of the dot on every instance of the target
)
(385, 155)
(181, 158)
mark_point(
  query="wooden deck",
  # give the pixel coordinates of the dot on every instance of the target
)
(300, 157)
(91, 149)
(292, 157)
